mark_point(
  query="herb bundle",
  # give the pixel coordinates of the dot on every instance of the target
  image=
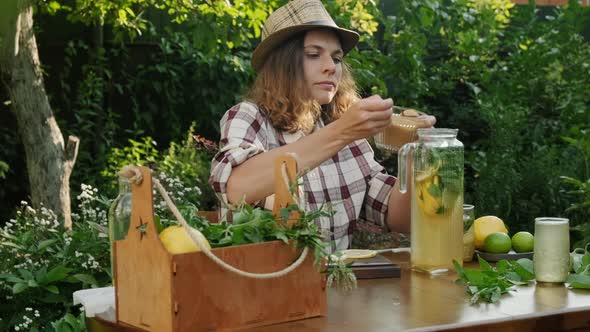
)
(490, 283)
(255, 225)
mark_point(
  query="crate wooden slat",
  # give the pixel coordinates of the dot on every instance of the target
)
(157, 291)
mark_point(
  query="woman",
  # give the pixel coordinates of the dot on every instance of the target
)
(304, 102)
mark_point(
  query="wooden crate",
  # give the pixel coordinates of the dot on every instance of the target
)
(158, 291)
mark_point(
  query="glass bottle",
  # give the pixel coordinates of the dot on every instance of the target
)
(437, 199)
(119, 217)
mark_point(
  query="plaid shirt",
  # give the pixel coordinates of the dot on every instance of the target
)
(351, 181)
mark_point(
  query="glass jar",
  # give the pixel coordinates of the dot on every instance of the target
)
(119, 217)
(437, 199)
(468, 232)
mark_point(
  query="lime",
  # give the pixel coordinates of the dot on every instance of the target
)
(497, 243)
(523, 242)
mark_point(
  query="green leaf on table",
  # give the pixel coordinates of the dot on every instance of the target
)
(490, 283)
(484, 265)
(578, 281)
(525, 269)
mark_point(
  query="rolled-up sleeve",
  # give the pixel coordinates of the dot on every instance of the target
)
(378, 191)
(242, 137)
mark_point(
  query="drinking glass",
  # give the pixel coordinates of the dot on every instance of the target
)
(551, 253)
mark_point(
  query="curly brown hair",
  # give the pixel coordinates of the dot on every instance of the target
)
(280, 91)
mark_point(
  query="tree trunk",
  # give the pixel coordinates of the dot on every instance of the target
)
(49, 164)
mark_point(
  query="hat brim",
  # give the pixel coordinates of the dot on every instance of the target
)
(348, 40)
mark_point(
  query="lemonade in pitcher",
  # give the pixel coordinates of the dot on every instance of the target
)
(437, 199)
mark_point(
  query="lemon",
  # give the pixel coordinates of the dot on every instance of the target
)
(484, 226)
(359, 253)
(497, 243)
(429, 192)
(350, 255)
(523, 242)
(177, 241)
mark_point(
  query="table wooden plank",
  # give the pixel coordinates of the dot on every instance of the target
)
(419, 302)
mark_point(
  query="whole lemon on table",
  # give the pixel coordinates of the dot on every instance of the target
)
(177, 241)
(497, 243)
(484, 226)
(523, 242)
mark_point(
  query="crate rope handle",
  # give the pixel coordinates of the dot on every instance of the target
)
(133, 174)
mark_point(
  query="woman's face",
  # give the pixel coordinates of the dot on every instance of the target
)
(322, 64)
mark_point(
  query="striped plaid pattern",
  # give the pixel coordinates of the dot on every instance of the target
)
(296, 17)
(294, 13)
(351, 181)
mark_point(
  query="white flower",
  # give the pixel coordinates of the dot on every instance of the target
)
(473, 58)
(549, 18)
(540, 40)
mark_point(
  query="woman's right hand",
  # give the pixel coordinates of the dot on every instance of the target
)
(365, 118)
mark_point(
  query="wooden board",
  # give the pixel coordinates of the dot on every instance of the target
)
(143, 267)
(375, 267)
(213, 299)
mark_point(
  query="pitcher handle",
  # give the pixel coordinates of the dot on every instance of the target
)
(402, 164)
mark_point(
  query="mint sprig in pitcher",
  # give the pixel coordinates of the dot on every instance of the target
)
(437, 198)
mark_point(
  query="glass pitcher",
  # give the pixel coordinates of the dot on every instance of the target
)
(437, 198)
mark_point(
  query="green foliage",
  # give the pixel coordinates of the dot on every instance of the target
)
(136, 153)
(489, 283)
(580, 268)
(183, 169)
(42, 264)
(510, 78)
(70, 323)
(3, 169)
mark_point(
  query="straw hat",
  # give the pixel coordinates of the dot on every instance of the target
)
(294, 17)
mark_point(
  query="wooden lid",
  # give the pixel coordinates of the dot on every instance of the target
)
(403, 129)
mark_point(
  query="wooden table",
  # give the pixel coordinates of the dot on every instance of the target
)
(418, 302)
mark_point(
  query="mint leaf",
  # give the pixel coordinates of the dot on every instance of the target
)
(489, 283)
(578, 281)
